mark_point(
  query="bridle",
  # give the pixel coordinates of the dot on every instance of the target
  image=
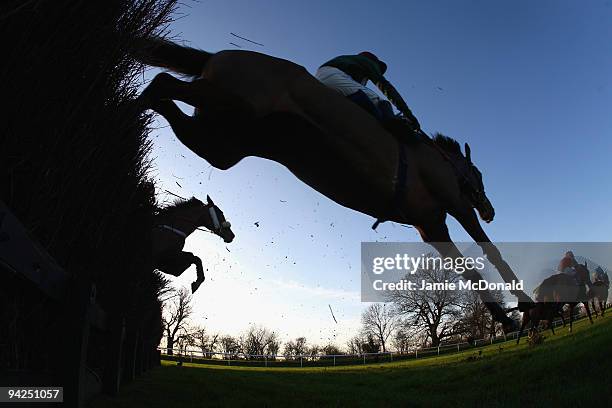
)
(217, 226)
(476, 195)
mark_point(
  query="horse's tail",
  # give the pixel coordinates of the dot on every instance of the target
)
(162, 53)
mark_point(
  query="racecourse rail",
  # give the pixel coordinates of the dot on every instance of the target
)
(307, 360)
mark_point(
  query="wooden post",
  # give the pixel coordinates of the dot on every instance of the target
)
(112, 371)
(129, 362)
(76, 334)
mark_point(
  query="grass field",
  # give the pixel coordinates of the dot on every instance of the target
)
(567, 370)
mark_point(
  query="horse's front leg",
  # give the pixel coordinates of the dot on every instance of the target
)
(179, 263)
(436, 234)
(586, 306)
(469, 221)
(524, 322)
(200, 274)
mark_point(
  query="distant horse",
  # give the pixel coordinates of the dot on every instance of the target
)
(251, 104)
(599, 290)
(173, 224)
(553, 294)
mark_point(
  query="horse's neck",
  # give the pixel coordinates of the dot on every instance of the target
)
(180, 223)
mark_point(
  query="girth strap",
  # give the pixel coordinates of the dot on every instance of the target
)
(401, 184)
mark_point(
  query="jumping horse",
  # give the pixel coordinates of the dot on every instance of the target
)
(252, 104)
(174, 223)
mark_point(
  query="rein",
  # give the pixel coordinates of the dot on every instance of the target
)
(444, 154)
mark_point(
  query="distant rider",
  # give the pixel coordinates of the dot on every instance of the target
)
(568, 264)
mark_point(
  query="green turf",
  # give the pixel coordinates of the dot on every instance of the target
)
(567, 370)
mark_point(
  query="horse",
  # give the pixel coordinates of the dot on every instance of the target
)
(553, 294)
(251, 104)
(599, 290)
(174, 223)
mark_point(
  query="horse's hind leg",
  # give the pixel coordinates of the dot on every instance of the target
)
(594, 308)
(200, 93)
(202, 135)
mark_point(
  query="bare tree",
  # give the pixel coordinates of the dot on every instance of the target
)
(295, 347)
(177, 311)
(258, 341)
(476, 321)
(229, 345)
(355, 345)
(401, 340)
(379, 320)
(331, 349)
(433, 312)
(206, 342)
(364, 343)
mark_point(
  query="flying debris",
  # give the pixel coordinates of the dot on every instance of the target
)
(283, 201)
(177, 183)
(256, 224)
(332, 313)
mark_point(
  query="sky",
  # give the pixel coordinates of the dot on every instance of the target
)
(526, 83)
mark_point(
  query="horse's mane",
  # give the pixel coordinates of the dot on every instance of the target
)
(177, 205)
(447, 143)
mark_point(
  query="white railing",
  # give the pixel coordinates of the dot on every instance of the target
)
(188, 355)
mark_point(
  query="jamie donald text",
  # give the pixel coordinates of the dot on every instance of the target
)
(408, 285)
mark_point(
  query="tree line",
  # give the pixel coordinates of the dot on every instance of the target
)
(409, 320)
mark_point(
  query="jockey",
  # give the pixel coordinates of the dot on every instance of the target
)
(600, 275)
(568, 264)
(348, 74)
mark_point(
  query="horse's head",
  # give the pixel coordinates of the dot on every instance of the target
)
(470, 178)
(214, 220)
(472, 187)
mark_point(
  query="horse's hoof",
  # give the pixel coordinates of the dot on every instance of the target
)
(195, 286)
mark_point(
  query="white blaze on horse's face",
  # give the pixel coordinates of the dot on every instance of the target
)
(220, 226)
(214, 218)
